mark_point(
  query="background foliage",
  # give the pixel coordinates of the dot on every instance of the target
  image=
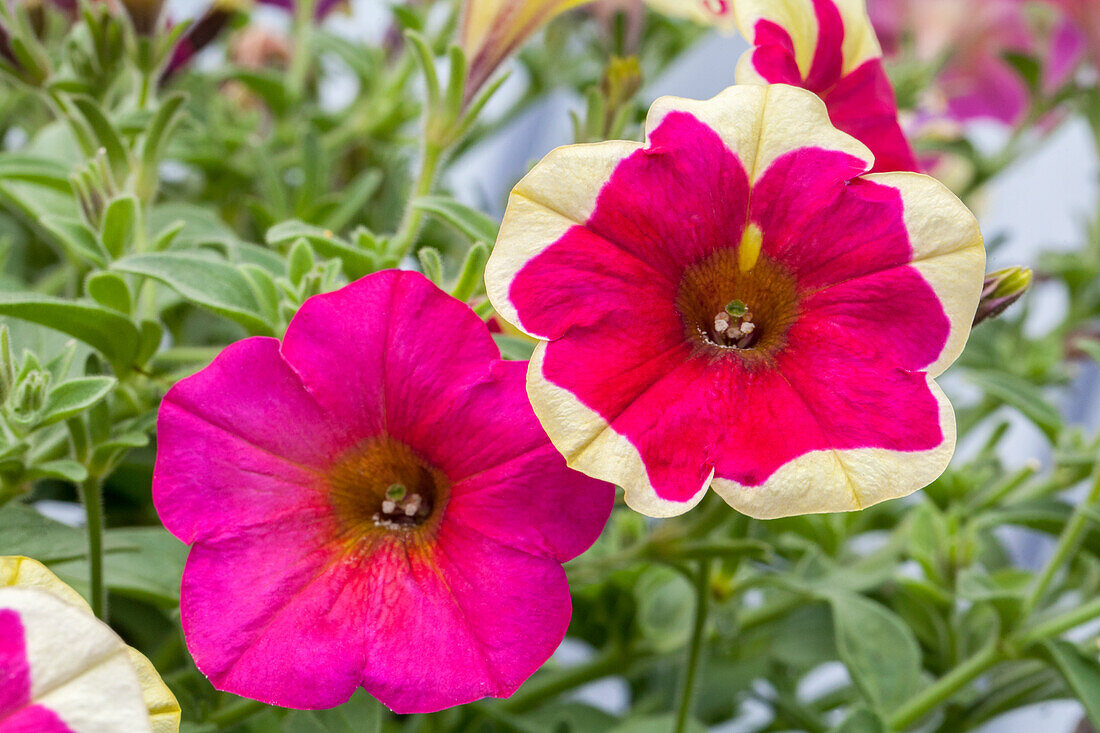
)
(149, 219)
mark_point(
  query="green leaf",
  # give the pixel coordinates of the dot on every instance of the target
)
(1021, 394)
(207, 282)
(23, 531)
(471, 222)
(77, 239)
(108, 332)
(152, 333)
(361, 714)
(299, 262)
(353, 199)
(472, 273)
(268, 85)
(356, 261)
(62, 469)
(656, 724)
(109, 289)
(880, 651)
(74, 396)
(37, 170)
(514, 348)
(105, 132)
(861, 720)
(119, 224)
(144, 563)
(166, 118)
(666, 607)
(431, 264)
(1081, 672)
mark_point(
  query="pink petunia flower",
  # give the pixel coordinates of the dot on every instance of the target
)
(828, 47)
(735, 304)
(62, 670)
(970, 38)
(370, 502)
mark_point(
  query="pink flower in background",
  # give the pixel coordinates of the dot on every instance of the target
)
(828, 47)
(62, 670)
(735, 304)
(371, 502)
(971, 39)
(1080, 30)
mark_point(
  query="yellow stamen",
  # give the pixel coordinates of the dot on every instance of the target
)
(749, 252)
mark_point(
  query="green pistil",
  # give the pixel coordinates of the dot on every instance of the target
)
(736, 308)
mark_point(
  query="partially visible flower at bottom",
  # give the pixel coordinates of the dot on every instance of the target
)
(737, 305)
(370, 502)
(62, 670)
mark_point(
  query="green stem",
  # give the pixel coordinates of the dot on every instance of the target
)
(7, 493)
(553, 684)
(1058, 625)
(236, 712)
(91, 493)
(405, 237)
(695, 651)
(303, 36)
(1067, 545)
(942, 689)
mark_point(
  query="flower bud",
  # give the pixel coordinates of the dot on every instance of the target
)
(144, 14)
(493, 29)
(1002, 289)
(30, 394)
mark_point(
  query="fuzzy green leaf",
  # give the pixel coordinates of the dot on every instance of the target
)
(207, 282)
(105, 330)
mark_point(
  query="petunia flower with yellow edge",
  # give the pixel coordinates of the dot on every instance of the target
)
(738, 304)
(828, 47)
(62, 670)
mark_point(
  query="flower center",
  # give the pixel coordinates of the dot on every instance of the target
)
(727, 306)
(384, 486)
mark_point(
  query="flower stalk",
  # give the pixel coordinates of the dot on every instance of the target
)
(91, 494)
(695, 650)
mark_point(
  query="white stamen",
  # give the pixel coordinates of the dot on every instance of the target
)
(747, 328)
(721, 322)
(388, 507)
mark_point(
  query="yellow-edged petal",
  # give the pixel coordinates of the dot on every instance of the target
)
(80, 669)
(948, 250)
(844, 480)
(706, 12)
(799, 19)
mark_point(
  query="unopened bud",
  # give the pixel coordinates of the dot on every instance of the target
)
(30, 394)
(621, 80)
(1002, 289)
(144, 14)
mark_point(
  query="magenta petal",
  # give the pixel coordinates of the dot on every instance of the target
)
(892, 316)
(1068, 48)
(471, 619)
(372, 352)
(239, 442)
(271, 613)
(825, 227)
(660, 401)
(16, 714)
(15, 676)
(532, 501)
(863, 105)
(676, 200)
(986, 88)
